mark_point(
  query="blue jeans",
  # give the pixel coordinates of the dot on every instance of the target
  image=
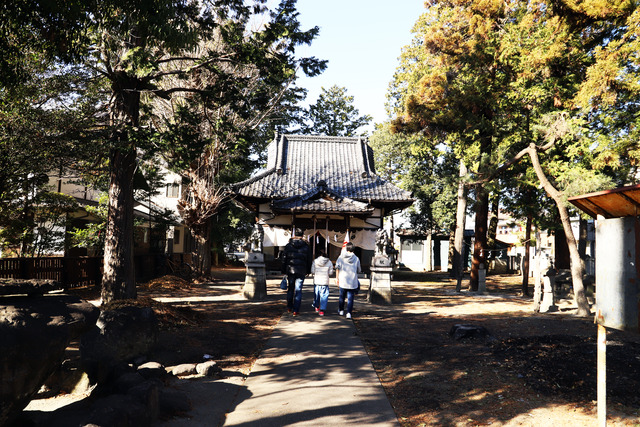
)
(322, 297)
(349, 293)
(294, 293)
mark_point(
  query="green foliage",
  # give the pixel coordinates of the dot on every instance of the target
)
(231, 226)
(35, 227)
(490, 78)
(609, 93)
(39, 29)
(37, 139)
(418, 165)
(333, 114)
(49, 223)
(92, 235)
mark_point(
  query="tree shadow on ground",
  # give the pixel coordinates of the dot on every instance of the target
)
(429, 378)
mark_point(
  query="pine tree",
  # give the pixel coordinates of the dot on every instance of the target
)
(334, 114)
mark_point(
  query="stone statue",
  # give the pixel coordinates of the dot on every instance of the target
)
(256, 238)
(382, 241)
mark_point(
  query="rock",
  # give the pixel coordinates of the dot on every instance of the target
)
(127, 381)
(183, 370)
(152, 370)
(173, 402)
(121, 335)
(119, 410)
(208, 368)
(31, 287)
(148, 393)
(140, 360)
(463, 332)
(34, 332)
(68, 379)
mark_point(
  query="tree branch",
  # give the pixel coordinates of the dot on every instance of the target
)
(515, 159)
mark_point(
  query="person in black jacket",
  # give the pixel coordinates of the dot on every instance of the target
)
(296, 264)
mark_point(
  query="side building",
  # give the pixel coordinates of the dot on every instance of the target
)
(159, 232)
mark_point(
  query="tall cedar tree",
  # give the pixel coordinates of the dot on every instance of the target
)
(460, 84)
(505, 76)
(129, 45)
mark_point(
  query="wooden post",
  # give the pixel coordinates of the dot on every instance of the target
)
(315, 225)
(427, 248)
(602, 376)
(64, 277)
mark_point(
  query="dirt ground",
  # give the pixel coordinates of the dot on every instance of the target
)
(533, 369)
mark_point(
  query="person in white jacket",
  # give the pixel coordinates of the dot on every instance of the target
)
(321, 268)
(347, 269)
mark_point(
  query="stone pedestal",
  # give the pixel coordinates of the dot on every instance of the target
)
(548, 303)
(380, 288)
(255, 282)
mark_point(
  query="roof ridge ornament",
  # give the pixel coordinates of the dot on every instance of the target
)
(282, 154)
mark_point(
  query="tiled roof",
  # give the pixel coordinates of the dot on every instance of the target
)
(296, 163)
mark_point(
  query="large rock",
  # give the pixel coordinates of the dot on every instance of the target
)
(34, 332)
(31, 287)
(121, 335)
(470, 332)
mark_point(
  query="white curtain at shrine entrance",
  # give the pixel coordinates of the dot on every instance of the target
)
(277, 236)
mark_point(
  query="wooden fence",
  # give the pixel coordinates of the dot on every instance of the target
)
(71, 272)
(75, 272)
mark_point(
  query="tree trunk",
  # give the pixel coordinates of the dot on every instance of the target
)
(577, 266)
(482, 213)
(201, 255)
(118, 280)
(493, 225)
(452, 236)
(525, 263)
(461, 214)
(562, 259)
(214, 251)
(27, 220)
(480, 243)
(582, 240)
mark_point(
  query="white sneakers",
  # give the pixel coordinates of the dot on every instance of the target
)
(341, 312)
(348, 316)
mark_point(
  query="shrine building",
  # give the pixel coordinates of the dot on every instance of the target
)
(325, 185)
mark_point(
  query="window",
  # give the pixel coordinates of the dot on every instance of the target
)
(173, 190)
(176, 236)
(409, 245)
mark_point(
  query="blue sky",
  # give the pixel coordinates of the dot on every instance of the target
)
(362, 41)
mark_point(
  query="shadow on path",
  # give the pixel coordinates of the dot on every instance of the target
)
(313, 371)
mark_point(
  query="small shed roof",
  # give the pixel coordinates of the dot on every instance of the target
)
(615, 203)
